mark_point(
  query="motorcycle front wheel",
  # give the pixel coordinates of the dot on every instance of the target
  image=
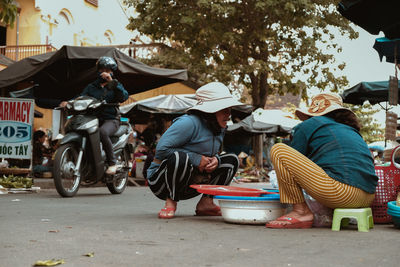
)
(118, 185)
(66, 181)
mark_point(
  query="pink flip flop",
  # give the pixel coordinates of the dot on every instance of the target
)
(293, 223)
(167, 213)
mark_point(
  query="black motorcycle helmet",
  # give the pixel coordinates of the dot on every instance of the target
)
(106, 63)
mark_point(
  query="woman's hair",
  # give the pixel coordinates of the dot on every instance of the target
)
(38, 134)
(210, 119)
(345, 117)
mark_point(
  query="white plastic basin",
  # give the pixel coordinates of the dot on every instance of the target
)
(250, 210)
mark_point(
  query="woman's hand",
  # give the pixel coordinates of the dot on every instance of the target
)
(203, 163)
(106, 76)
(212, 164)
(63, 104)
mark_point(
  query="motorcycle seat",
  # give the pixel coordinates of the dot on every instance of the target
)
(123, 129)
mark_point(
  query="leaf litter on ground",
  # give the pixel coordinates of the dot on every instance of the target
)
(51, 262)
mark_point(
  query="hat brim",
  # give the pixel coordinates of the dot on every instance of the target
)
(216, 105)
(304, 114)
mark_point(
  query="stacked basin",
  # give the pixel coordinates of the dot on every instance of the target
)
(394, 211)
(251, 210)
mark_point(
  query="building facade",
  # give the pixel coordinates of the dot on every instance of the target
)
(69, 22)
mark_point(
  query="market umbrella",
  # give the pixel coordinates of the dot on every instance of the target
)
(376, 147)
(5, 60)
(169, 106)
(374, 92)
(373, 15)
(63, 74)
(390, 49)
(271, 122)
(382, 145)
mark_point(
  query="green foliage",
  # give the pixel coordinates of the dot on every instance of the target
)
(264, 45)
(12, 181)
(8, 12)
(371, 131)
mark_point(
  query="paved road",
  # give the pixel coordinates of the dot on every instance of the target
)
(123, 230)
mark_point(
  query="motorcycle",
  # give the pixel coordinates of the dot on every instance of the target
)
(80, 158)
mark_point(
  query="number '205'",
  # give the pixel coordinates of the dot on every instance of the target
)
(14, 132)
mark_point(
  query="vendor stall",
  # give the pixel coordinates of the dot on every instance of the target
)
(271, 122)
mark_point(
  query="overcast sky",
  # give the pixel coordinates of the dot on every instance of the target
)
(363, 63)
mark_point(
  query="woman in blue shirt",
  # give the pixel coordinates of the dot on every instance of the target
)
(327, 158)
(187, 153)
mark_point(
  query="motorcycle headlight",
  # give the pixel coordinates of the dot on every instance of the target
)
(82, 104)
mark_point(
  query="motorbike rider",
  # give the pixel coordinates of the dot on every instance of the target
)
(105, 87)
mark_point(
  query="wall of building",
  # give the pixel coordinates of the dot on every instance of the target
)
(72, 22)
(170, 89)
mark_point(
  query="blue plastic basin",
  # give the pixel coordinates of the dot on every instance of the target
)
(267, 197)
(394, 211)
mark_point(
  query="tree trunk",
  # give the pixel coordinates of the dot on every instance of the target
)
(258, 149)
(259, 96)
(259, 89)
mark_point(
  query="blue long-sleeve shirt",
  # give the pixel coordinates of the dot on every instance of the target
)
(114, 92)
(188, 134)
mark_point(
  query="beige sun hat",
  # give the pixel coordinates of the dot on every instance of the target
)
(214, 97)
(321, 104)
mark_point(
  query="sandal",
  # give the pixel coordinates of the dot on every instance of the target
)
(167, 213)
(216, 211)
(292, 223)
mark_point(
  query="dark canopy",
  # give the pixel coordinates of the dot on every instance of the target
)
(63, 74)
(390, 49)
(373, 15)
(374, 92)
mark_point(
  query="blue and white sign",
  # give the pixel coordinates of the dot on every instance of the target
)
(16, 119)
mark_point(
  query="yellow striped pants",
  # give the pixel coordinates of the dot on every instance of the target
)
(295, 172)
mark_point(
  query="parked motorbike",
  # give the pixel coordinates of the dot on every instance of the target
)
(80, 158)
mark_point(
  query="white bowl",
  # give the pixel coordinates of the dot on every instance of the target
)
(250, 210)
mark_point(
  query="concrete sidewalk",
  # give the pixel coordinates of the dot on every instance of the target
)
(123, 230)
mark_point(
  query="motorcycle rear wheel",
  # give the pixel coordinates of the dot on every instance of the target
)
(66, 182)
(118, 185)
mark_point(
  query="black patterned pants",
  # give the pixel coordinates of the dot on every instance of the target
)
(175, 175)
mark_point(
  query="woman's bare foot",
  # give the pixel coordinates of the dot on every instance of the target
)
(300, 212)
(168, 212)
(207, 207)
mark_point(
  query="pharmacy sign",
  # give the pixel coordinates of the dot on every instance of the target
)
(16, 120)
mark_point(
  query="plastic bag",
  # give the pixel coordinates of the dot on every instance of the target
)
(4, 164)
(273, 179)
(322, 215)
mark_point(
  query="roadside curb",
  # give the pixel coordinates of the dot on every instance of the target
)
(44, 183)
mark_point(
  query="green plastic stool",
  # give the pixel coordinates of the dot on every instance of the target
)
(363, 216)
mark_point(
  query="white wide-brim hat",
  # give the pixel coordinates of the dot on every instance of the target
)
(214, 97)
(321, 104)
